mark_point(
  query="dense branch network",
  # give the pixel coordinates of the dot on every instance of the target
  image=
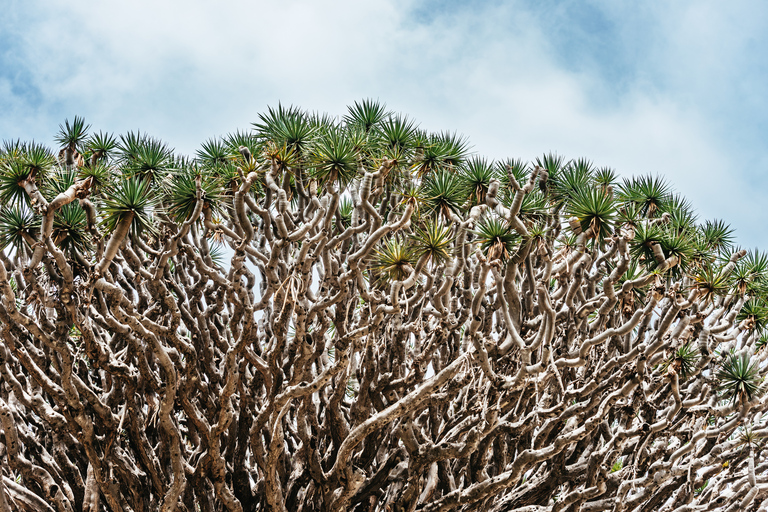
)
(355, 314)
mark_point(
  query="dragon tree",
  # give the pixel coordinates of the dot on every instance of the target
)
(354, 314)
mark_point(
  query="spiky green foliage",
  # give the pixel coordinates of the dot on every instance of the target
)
(701, 255)
(363, 142)
(217, 254)
(100, 175)
(739, 377)
(496, 238)
(215, 152)
(285, 127)
(710, 282)
(552, 163)
(100, 147)
(152, 160)
(70, 222)
(645, 236)
(568, 241)
(346, 207)
(430, 160)
(130, 196)
(433, 240)
(572, 182)
(682, 361)
(751, 439)
(11, 150)
(322, 121)
(38, 159)
(594, 210)
(435, 155)
(681, 215)
(636, 294)
(476, 176)
(452, 147)
(20, 162)
(283, 157)
(393, 261)
(72, 135)
(58, 181)
(517, 167)
(70, 229)
(538, 231)
(397, 135)
(129, 145)
(750, 273)
(19, 227)
(753, 316)
(12, 176)
(628, 214)
(181, 194)
(761, 342)
(718, 235)
(604, 178)
(366, 114)
(230, 178)
(234, 141)
(678, 245)
(412, 194)
(444, 193)
(334, 158)
(649, 193)
(533, 209)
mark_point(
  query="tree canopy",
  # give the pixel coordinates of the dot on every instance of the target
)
(352, 313)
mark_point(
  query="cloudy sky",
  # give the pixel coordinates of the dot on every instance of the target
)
(670, 88)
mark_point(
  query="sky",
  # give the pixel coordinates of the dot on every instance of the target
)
(676, 89)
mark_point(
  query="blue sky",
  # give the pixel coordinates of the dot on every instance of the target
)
(670, 88)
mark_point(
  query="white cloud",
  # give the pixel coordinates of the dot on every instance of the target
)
(186, 71)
